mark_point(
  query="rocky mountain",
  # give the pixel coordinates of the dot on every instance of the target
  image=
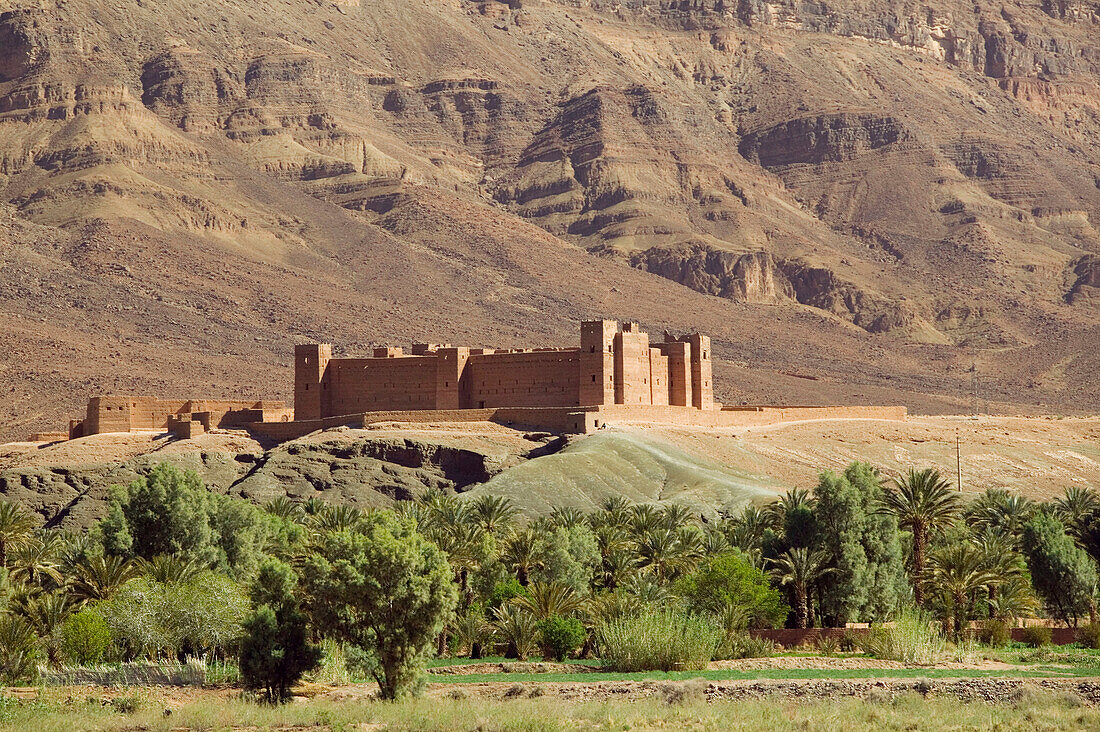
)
(863, 201)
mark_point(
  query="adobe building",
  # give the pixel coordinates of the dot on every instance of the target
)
(182, 417)
(611, 366)
(614, 377)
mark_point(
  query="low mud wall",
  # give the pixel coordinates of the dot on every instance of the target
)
(794, 637)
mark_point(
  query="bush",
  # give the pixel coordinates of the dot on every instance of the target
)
(504, 591)
(730, 580)
(849, 643)
(275, 652)
(18, 649)
(1036, 636)
(85, 638)
(658, 640)
(828, 645)
(561, 637)
(1089, 637)
(743, 645)
(913, 639)
(995, 633)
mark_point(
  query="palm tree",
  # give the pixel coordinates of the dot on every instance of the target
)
(614, 510)
(494, 512)
(16, 529)
(662, 551)
(547, 599)
(1076, 505)
(677, 515)
(518, 627)
(567, 517)
(616, 569)
(746, 532)
(714, 542)
(800, 568)
(521, 553)
(924, 503)
(955, 574)
(99, 577)
(644, 517)
(336, 518)
(285, 508)
(169, 568)
(36, 561)
(1000, 511)
(47, 613)
(775, 513)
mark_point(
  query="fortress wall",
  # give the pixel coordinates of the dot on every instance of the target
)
(559, 419)
(741, 417)
(357, 385)
(527, 379)
(125, 413)
(658, 377)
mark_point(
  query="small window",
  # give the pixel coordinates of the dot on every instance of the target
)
(591, 349)
(307, 387)
(593, 379)
(704, 355)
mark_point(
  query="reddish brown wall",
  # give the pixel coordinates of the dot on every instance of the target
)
(370, 384)
(527, 379)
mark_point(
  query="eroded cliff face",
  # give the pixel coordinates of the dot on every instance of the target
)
(876, 163)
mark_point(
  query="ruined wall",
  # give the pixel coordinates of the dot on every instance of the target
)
(125, 413)
(541, 378)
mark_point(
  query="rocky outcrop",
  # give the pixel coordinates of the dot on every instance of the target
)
(1085, 275)
(339, 466)
(819, 287)
(747, 277)
(821, 139)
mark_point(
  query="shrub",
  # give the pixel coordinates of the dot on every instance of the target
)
(828, 645)
(995, 633)
(1036, 636)
(849, 643)
(561, 637)
(658, 640)
(18, 649)
(913, 639)
(85, 637)
(518, 629)
(504, 591)
(1089, 637)
(743, 645)
(275, 652)
(730, 580)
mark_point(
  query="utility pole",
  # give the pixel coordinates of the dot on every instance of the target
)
(958, 460)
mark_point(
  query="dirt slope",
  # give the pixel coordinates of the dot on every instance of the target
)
(66, 483)
(865, 201)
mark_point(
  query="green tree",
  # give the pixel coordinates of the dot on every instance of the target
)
(730, 580)
(924, 503)
(275, 650)
(18, 649)
(385, 588)
(955, 575)
(165, 512)
(1063, 574)
(569, 556)
(16, 529)
(869, 582)
(801, 568)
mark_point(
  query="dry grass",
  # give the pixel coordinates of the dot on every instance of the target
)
(65, 710)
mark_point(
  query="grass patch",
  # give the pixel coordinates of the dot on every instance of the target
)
(762, 674)
(908, 711)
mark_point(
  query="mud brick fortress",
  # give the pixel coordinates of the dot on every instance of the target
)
(615, 376)
(612, 366)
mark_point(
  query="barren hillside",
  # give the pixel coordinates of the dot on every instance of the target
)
(865, 201)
